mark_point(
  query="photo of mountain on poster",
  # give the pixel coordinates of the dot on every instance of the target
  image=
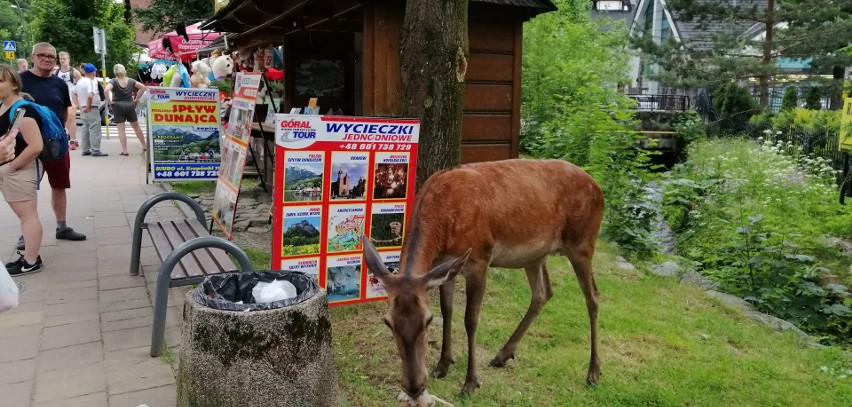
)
(303, 182)
(301, 236)
(186, 144)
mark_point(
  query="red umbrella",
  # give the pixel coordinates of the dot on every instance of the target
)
(198, 39)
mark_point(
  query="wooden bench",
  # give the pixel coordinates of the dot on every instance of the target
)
(173, 241)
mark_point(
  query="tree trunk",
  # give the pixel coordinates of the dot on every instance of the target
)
(767, 60)
(128, 12)
(433, 61)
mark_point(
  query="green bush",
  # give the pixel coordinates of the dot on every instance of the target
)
(812, 98)
(734, 107)
(689, 126)
(790, 100)
(755, 218)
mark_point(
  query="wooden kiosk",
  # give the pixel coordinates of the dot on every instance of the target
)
(346, 53)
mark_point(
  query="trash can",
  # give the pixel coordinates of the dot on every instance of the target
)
(235, 352)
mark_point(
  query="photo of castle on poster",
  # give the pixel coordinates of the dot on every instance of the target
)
(386, 224)
(302, 228)
(349, 175)
(303, 176)
(343, 281)
(375, 288)
(391, 176)
(345, 227)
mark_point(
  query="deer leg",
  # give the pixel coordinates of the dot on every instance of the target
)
(541, 293)
(475, 276)
(447, 292)
(581, 260)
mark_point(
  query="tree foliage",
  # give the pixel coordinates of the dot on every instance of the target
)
(743, 39)
(15, 25)
(73, 32)
(164, 15)
(571, 109)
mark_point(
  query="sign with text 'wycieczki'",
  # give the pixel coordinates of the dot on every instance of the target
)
(183, 128)
(337, 178)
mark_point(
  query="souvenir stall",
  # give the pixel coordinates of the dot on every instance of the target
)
(346, 168)
(346, 54)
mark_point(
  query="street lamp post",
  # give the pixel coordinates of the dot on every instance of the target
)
(24, 22)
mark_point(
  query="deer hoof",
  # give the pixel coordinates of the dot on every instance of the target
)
(499, 361)
(593, 378)
(469, 387)
(441, 370)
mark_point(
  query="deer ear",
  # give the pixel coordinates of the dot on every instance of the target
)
(374, 260)
(446, 271)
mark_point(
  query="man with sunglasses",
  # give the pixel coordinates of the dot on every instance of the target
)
(50, 91)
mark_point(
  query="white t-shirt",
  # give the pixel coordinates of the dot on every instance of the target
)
(84, 86)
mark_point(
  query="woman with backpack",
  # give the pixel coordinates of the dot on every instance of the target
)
(119, 97)
(19, 177)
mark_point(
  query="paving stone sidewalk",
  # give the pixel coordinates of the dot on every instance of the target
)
(81, 334)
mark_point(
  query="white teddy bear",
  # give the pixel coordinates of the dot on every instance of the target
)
(200, 71)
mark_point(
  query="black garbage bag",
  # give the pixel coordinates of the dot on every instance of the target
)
(223, 291)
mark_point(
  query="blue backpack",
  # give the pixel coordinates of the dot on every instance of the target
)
(52, 131)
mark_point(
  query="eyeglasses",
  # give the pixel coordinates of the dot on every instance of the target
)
(48, 57)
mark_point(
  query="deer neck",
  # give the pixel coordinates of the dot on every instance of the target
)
(421, 245)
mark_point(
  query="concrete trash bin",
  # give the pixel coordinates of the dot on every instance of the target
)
(263, 358)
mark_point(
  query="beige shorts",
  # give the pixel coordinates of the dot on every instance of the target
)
(20, 185)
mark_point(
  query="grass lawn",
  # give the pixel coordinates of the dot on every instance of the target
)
(662, 344)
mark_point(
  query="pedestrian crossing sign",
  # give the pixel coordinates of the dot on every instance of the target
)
(9, 46)
(10, 56)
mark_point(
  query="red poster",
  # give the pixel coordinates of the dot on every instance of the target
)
(338, 178)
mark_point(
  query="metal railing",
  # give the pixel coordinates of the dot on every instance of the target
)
(670, 103)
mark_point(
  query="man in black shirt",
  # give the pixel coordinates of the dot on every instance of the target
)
(50, 91)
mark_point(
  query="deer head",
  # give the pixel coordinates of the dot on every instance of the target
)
(408, 315)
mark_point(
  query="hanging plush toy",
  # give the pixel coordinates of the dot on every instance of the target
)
(223, 66)
(199, 79)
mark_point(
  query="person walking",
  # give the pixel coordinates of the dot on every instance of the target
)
(48, 90)
(89, 101)
(123, 104)
(19, 177)
(70, 76)
(23, 65)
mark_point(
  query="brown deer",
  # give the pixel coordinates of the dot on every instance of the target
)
(510, 214)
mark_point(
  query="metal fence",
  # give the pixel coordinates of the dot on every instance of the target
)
(821, 142)
(671, 103)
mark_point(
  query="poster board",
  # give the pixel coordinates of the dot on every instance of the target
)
(184, 134)
(235, 150)
(846, 126)
(337, 178)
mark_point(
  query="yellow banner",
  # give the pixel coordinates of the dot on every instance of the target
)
(846, 126)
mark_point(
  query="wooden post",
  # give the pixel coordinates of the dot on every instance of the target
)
(846, 183)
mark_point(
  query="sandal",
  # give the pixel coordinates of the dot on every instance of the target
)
(124, 154)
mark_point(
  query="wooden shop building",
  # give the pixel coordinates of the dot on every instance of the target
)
(346, 53)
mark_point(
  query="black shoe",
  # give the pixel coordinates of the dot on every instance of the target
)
(69, 234)
(99, 154)
(87, 152)
(20, 245)
(20, 267)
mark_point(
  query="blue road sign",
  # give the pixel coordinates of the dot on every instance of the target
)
(9, 46)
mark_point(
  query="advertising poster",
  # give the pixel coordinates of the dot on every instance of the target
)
(184, 130)
(235, 150)
(339, 178)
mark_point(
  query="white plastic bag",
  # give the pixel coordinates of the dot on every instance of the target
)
(277, 290)
(8, 290)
